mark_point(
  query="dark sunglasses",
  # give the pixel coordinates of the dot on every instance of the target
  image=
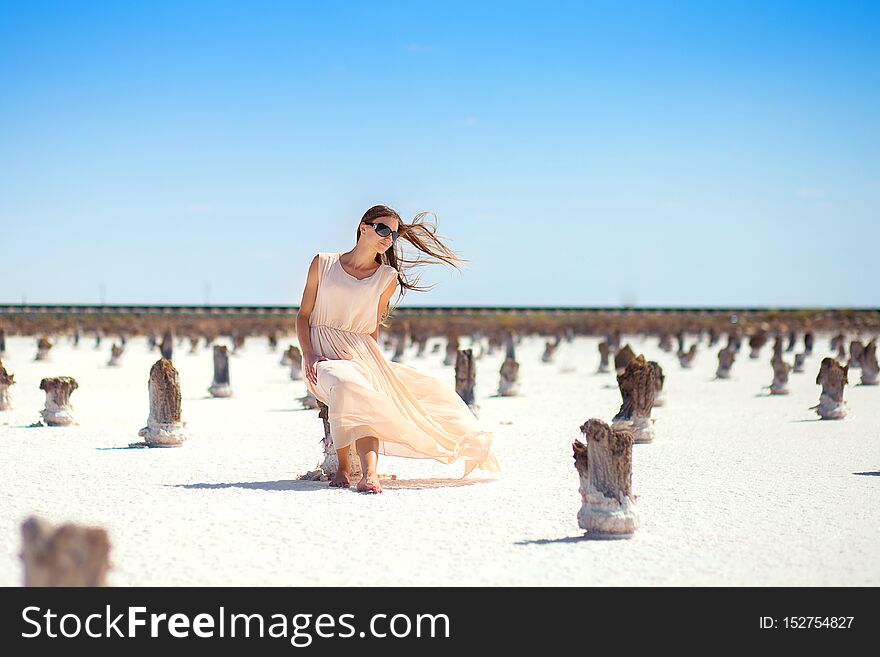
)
(384, 231)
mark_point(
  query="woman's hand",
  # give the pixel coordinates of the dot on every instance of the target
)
(311, 372)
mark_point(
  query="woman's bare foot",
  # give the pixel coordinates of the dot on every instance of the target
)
(341, 480)
(369, 483)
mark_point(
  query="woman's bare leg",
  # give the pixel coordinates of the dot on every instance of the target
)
(368, 451)
(343, 472)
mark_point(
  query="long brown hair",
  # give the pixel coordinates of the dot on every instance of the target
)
(423, 236)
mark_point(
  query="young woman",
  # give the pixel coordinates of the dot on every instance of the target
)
(381, 406)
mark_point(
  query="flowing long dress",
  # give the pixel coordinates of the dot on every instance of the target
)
(411, 413)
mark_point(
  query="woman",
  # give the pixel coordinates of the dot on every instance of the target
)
(380, 406)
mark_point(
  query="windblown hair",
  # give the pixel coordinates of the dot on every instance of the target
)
(420, 234)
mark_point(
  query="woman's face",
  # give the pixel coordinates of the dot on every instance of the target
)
(381, 244)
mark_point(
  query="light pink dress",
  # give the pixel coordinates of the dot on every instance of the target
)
(412, 414)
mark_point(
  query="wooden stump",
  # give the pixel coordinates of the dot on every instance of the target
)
(781, 370)
(832, 377)
(164, 426)
(422, 342)
(220, 385)
(604, 465)
(777, 348)
(167, 347)
(808, 343)
(6, 380)
(713, 336)
(837, 341)
(659, 378)
(296, 364)
(58, 411)
(604, 356)
(550, 350)
(43, 347)
(273, 341)
(665, 342)
(451, 349)
(2, 342)
(68, 555)
(636, 385)
(508, 385)
(98, 336)
(330, 465)
(725, 362)
(238, 343)
(399, 347)
(115, 354)
(855, 353)
(792, 341)
(868, 361)
(287, 356)
(309, 400)
(465, 377)
(686, 358)
(193, 344)
(756, 343)
(623, 357)
(799, 362)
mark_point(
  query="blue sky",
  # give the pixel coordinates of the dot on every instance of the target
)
(577, 153)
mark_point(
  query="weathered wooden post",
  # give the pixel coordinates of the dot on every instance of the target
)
(781, 370)
(2, 342)
(465, 377)
(659, 378)
(799, 362)
(287, 356)
(69, 555)
(622, 358)
(43, 347)
(604, 356)
(296, 363)
(58, 411)
(832, 377)
(164, 426)
(167, 347)
(220, 385)
(6, 380)
(855, 353)
(808, 342)
(725, 362)
(756, 343)
(399, 341)
(636, 385)
(330, 465)
(451, 349)
(870, 369)
(273, 341)
(115, 354)
(604, 466)
(792, 340)
(508, 385)
(665, 342)
(686, 358)
(193, 344)
(550, 350)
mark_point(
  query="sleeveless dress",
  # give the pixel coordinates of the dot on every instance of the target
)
(411, 413)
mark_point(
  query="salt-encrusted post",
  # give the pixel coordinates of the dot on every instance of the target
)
(686, 358)
(550, 350)
(220, 385)
(808, 342)
(69, 555)
(330, 465)
(659, 378)
(167, 347)
(451, 349)
(713, 336)
(604, 465)
(193, 344)
(6, 380)
(508, 385)
(832, 377)
(43, 347)
(604, 356)
(756, 343)
(164, 426)
(623, 357)
(781, 370)
(2, 342)
(296, 364)
(792, 340)
(115, 354)
(855, 353)
(58, 411)
(665, 342)
(870, 369)
(465, 377)
(725, 362)
(636, 385)
(799, 362)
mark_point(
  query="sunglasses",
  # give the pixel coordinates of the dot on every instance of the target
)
(384, 231)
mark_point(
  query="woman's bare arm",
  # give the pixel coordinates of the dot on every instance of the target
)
(310, 293)
(383, 304)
